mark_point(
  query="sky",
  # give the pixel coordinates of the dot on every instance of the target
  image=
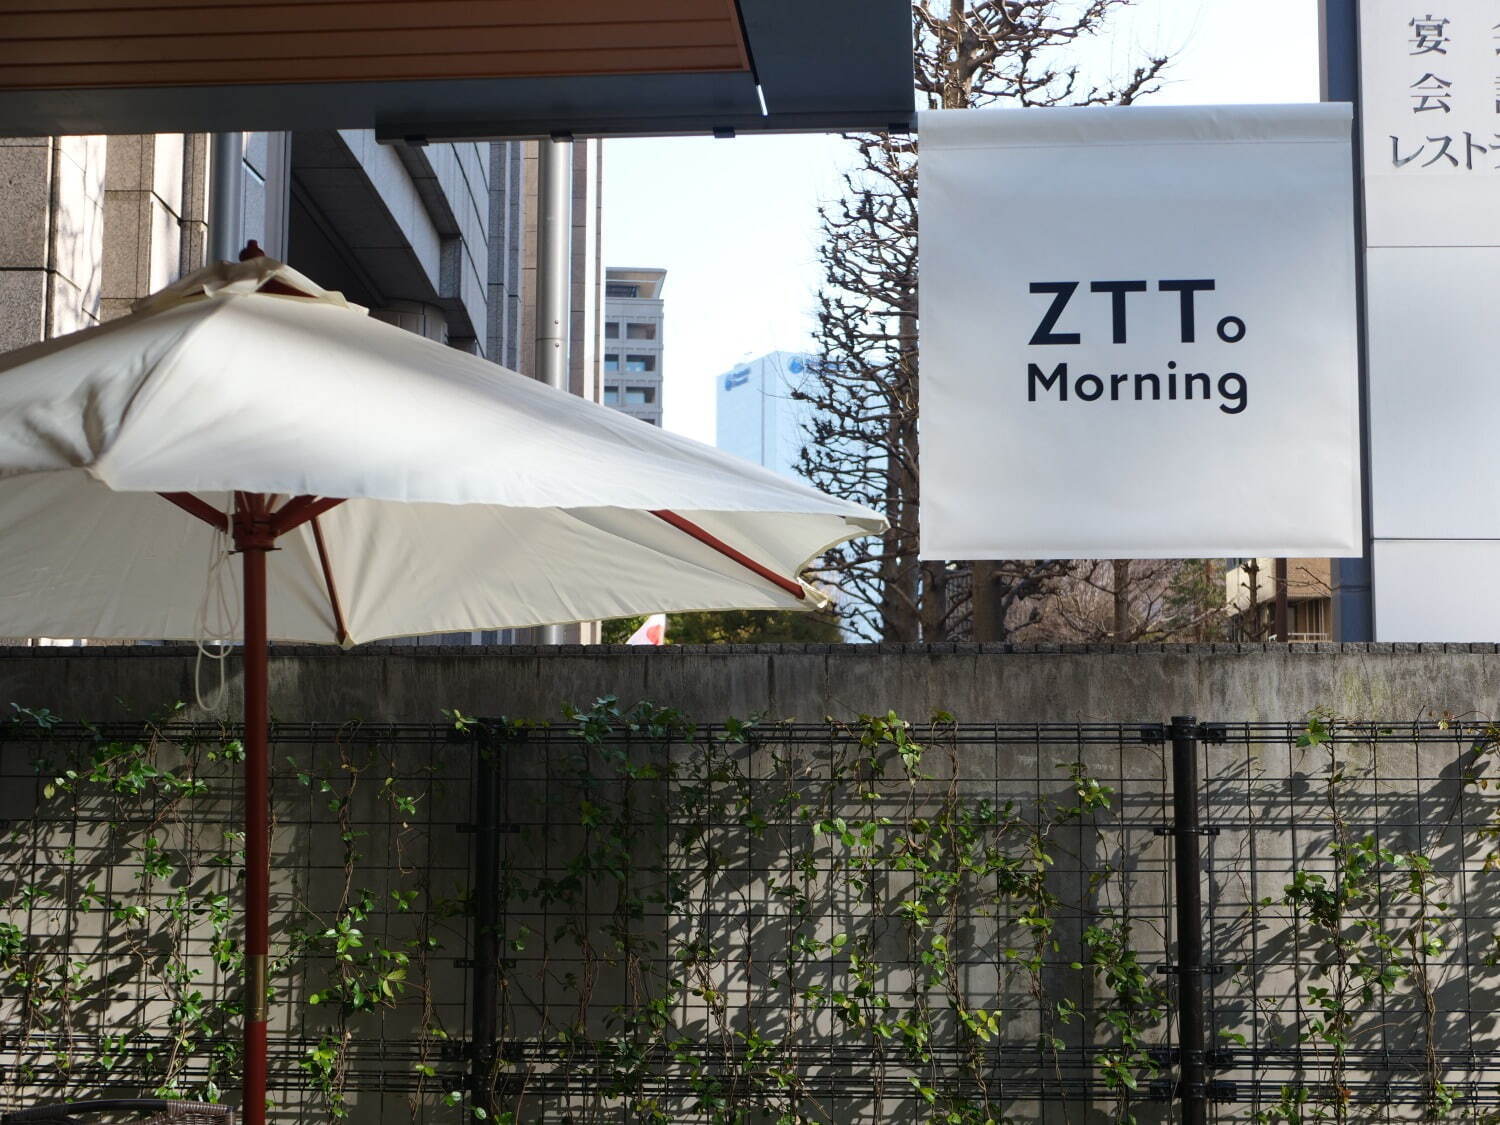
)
(735, 222)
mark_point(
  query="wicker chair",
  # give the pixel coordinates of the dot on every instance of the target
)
(136, 1111)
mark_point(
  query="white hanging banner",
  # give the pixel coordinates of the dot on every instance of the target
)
(1138, 333)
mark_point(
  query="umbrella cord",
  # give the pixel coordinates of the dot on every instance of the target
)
(217, 600)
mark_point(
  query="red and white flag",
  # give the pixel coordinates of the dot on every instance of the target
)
(653, 631)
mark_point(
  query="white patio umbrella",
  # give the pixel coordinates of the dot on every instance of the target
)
(376, 484)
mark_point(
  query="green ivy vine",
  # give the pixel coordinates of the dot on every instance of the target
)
(879, 887)
(696, 922)
(1372, 921)
(126, 972)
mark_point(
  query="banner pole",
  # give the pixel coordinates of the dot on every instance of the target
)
(1353, 579)
(1190, 969)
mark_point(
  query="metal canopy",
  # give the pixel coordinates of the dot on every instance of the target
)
(821, 65)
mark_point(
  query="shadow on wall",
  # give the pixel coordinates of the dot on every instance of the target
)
(867, 921)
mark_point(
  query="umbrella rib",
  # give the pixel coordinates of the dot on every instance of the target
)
(298, 510)
(698, 533)
(196, 506)
(340, 631)
(294, 513)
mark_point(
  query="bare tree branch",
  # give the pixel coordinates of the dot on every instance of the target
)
(862, 441)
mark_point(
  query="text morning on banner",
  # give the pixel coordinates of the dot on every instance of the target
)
(1138, 333)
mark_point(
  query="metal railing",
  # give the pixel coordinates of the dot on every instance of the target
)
(1224, 846)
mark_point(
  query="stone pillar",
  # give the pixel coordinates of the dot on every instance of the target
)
(51, 236)
(153, 215)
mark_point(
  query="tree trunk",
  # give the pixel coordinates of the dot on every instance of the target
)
(1212, 594)
(1279, 614)
(910, 611)
(934, 601)
(1122, 630)
(967, 53)
(984, 626)
(1256, 630)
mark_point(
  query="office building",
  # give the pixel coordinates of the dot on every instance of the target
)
(633, 339)
(758, 419)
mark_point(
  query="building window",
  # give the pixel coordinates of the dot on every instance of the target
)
(640, 396)
(612, 330)
(639, 362)
(620, 289)
(611, 362)
(1309, 620)
(640, 331)
(611, 396)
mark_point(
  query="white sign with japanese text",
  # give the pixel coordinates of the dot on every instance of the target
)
(1138, 333)
(1430, 104)
(1430, 154)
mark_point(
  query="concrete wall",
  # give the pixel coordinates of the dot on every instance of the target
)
(990, 683)
(1269, 801)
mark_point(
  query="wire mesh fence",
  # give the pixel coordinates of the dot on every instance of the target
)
(866, 922)
(121, 948)
(873, 921)
(1352, 907)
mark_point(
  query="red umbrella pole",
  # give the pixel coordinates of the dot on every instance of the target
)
(253, 538)
(255, 528)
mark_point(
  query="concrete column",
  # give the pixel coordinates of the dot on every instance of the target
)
(588, 270)
(554, 283)
(553, 261)
(226, 216)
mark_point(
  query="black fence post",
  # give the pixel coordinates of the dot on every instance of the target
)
(1188, 868)
(485, 900)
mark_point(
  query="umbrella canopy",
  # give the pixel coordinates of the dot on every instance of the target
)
(374, 483)
(475, 497)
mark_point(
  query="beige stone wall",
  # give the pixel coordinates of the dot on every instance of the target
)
(88, 225)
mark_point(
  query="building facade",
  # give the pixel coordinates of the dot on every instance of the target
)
(1250, 599)
(757, 417)
(633, 341)
(438, 239)
(93, 224)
